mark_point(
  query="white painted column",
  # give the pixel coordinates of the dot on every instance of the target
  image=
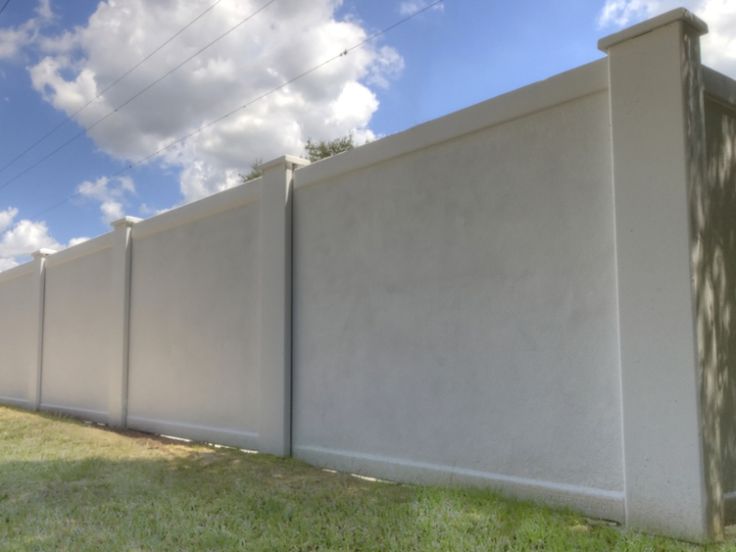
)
(658, 140)
(38, 306)
(118, 378)
(274, 258)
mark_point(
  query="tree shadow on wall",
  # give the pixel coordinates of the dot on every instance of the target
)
(713, 227)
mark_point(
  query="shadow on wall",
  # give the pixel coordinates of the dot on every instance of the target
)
(713, 227)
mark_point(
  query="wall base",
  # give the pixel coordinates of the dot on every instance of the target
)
(598, 503)
(206, 434)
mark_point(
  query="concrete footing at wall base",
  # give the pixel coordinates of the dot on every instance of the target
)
(597, 503)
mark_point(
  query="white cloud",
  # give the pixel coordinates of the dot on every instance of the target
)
(111, 193)
(19, 239)
(199, 179)
(6, 264)
(77, 241)
(282, 41)
(718, 46)
(105, 188)
(620, 13)
(25, 237)
(44, 10)
(146, 210)
(14, 39)
(7, 216)
(410, 7)
(389, 65)
(111, 210)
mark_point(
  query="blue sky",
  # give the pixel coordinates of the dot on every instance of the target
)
(54, 58)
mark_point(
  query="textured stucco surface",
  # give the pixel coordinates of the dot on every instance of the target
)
(17, 336)
(194, 333)
(657, 124)
(456, 306)
(714, 271)
(511, 296)
(78, 334)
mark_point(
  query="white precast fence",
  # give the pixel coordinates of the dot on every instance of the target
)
(79, 329)
(193, 367)
(512, 296)
(21, 294)
(456, 309)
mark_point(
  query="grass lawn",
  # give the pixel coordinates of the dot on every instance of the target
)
(66, 485)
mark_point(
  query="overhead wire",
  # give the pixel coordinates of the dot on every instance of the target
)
(138, 94)
(344, 52)
(72, 116)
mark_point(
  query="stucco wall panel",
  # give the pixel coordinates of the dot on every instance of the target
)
(457, 307)
(17, 336)
(194, 331)
(78, 335)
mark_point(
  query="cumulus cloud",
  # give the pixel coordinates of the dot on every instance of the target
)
(718, 46)
(18, 239)
(111, 193)
(6, 217)
(14, 39)
(410, 7)
(6, 264)
(77, 241)
(25, 237)
(388, 65)
(279, 43)
(620, 13)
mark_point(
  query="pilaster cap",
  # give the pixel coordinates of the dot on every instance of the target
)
(678, 14)
(289, 161)
(125, 222)
(42, 253)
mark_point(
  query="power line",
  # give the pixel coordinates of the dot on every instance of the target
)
(146, 88)
(252, 101)
(102, 119)
(5, 5)
(117, 80)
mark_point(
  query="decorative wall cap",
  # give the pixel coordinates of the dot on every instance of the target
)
(289, 160)
(678, 14)
(125, 221)
(42, 253)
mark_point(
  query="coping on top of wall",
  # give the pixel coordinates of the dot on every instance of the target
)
(232, 198)
(561, 88)
(83, 249)
(571, 85)
(16, 272)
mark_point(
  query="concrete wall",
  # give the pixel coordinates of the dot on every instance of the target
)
(78, 325)
(511, 296)
(455, 310)
(194, 322)
(714, 271)
(18, 334)
(657, 124)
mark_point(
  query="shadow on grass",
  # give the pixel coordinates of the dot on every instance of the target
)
(66, 485)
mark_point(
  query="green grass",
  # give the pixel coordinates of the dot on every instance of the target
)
(66, 485)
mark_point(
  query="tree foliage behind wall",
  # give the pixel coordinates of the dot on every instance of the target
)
(314, 151)
(255, 171)
(323, 149)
